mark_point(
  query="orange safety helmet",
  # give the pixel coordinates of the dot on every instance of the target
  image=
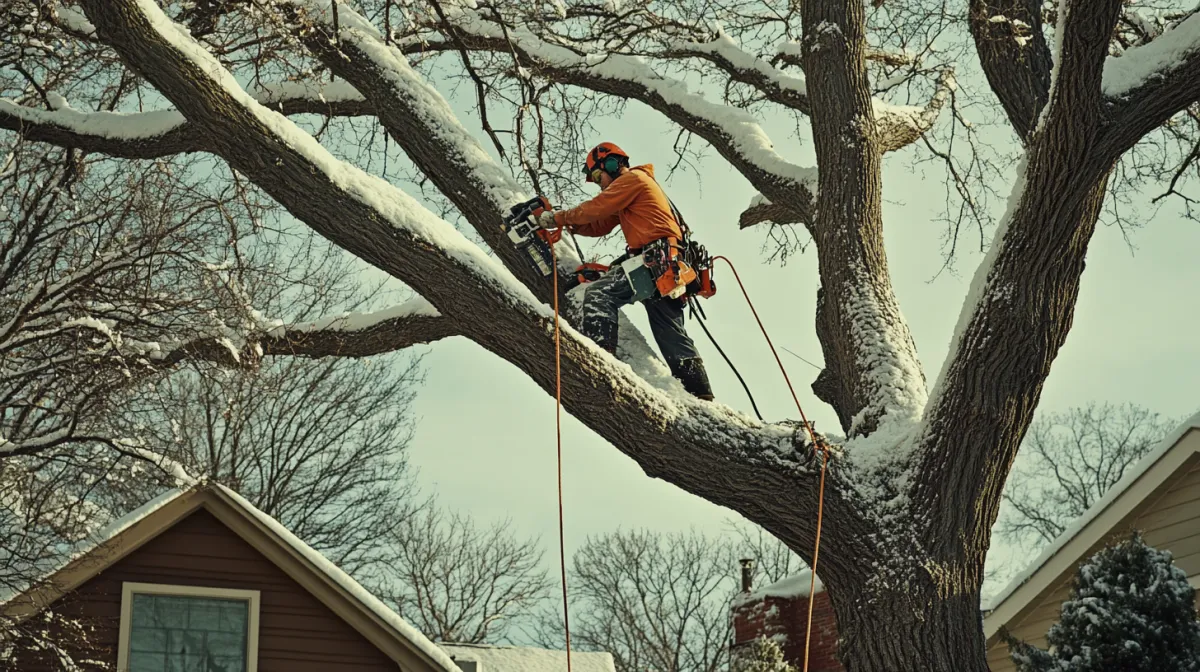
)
(597, 159)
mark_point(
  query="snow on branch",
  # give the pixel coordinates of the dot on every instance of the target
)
(159, 133)
(417, 97)
(733, 132)
(899, 125)
(902, 125)
(140, 135)
(746, 68)
(422, 122)
(1154, 62)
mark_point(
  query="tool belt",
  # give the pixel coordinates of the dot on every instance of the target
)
(665, 268)
(664, 262)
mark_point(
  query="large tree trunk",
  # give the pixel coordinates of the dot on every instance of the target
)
(911, 628)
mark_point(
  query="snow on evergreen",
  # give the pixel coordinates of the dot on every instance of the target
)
(1130, 609)
(764, 655)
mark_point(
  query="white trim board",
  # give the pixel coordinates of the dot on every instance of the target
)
(129, 588)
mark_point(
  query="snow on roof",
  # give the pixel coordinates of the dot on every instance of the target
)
(320, 562)
(526, 659)
(1113, 493)
(101, 536)
(347, 583)
(791, 587)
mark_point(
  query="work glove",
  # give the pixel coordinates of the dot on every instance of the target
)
(545, 220)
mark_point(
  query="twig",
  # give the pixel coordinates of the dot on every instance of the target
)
(480, 88)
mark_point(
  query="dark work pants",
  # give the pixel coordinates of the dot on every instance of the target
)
(603, 299)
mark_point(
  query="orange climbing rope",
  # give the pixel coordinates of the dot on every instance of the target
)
(812, 587)
(562, 549)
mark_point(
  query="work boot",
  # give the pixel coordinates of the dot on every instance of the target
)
(691, 373)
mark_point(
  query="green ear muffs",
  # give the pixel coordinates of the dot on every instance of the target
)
(611, 165)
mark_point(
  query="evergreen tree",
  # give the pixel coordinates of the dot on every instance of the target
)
(1130, 610)
(764, 656)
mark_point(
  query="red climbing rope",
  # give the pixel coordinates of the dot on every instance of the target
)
(562, 548)
(812, 587)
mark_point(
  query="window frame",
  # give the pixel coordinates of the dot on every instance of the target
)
(129, 588)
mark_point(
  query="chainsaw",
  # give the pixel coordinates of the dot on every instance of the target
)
(522, 229)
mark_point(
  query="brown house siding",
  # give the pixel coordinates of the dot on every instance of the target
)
(296, 632)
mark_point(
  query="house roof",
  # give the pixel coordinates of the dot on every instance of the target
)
(524, 659)
(342, 594)
(1142, 479)
(789, 587)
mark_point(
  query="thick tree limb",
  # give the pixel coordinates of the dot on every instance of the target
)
(1017, 69)
(150, 135)
(900, 126)
(1144, 90)
(1086, 29)
(675, 437)
(1020, 310)
(389, 330)
(766, 211)
(871, 366)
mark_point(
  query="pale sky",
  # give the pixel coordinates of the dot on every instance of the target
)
(485, 440)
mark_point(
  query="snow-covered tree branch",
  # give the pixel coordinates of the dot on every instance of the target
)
(385, 227)
(152, 135)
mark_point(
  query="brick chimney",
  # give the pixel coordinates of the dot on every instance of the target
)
(780, 611)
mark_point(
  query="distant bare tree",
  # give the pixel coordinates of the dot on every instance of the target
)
(135, 344)
(773, 560)
(657, 602)
(318, 444)
(1072, 460)
(457, 581)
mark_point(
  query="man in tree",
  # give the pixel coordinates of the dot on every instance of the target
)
(910, 501)
(631, 198)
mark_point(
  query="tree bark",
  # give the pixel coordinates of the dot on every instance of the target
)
(913, 628)
(858, 319)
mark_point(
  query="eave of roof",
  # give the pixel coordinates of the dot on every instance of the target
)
(1112, 498)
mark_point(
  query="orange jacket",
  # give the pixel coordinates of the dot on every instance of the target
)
(633, 200)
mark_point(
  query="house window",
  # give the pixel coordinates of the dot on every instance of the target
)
(187, 629)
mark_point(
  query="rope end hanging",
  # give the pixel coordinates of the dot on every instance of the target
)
(562, 547)
(818, 447)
